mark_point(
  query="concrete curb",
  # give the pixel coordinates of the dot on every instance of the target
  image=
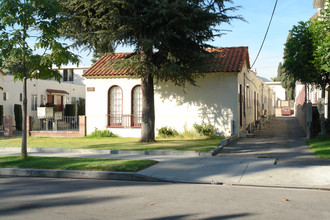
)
(117, 152)
(224, 143)
(227, 141)
(77, 174)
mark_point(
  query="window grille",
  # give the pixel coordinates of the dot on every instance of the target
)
(115, 107)
(136, 106)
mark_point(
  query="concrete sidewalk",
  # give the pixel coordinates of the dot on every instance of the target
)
(195, 169)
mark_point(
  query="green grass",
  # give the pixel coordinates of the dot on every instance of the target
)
(63, 163)
(320, 146)
(117, 143)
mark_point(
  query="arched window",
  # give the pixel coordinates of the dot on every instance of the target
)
(115, 109)
(136, 106)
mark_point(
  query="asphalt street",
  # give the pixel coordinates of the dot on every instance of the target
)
(50, 198)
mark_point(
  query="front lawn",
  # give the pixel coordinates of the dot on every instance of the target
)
(320, 146)
(117, 143)
(64, 163)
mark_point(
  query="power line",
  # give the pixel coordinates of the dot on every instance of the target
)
(262, 44)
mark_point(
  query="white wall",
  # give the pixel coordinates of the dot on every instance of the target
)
(213, 101)
(97, 104)
(254, 107)
(77, 74)
(278, 89)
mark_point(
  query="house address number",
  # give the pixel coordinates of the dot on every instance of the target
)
(90, 89)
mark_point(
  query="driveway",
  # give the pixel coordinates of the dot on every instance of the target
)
(283, 139)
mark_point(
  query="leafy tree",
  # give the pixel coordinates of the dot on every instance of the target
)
(287, 82)
(168, 36)
(320, 29)
(96, 57)
(30, 44)
(298, 54)
(307, 54)
(273, 79)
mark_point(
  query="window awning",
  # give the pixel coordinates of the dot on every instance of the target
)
(55, 91)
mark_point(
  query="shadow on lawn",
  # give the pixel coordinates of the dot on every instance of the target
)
(202, 145)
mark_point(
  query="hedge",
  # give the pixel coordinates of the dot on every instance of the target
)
(18, 116)
(70, 110)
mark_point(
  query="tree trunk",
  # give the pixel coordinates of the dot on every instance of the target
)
(148, 109)
(148, 105)
(24, 132)
(24, 138)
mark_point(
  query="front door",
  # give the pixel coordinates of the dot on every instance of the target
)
(50, 99)
(59, 103)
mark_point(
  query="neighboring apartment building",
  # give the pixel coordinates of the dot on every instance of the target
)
(73, 74)
(313, 93)
(278, 89)
(40, 92)
(230, 97)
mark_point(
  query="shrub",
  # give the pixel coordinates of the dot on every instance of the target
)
(18, 116)
(316, 123)
(81, 106)
(104, 133)
(167, 132)
(70, 110)
(205, 129)
(1, 114)
(327, 125)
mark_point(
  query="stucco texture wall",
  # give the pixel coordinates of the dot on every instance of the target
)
(97, 104)
(213, 100)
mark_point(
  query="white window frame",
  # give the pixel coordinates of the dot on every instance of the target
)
(70, 75)
(5, 96)
(65, 75)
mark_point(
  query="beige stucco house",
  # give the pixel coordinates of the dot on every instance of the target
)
(41, 92)
(230, 97)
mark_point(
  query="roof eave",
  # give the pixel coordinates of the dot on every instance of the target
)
(2, 72)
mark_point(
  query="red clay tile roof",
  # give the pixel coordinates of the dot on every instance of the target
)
(100, 69)
(228, 59)
(3, 73)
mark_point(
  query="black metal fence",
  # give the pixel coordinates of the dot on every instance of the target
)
(62, 123)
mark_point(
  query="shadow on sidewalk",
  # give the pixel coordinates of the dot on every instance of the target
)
(283, 139)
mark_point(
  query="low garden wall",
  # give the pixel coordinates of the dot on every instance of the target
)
(80, 133)
(303, 114)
